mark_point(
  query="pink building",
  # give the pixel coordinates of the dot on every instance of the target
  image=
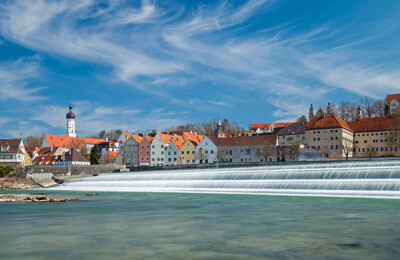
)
(144, 150)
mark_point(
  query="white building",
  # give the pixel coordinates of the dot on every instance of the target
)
(208, 150)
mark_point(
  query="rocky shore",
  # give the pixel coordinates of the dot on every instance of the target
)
(35, 197)
(11, 183)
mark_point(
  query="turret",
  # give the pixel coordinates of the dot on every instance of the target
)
(311, 113)
(359, 113)
(71, 123)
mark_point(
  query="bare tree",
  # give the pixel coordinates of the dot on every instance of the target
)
(106, 159)
(347, 111)
(33, 141)
(301, 119)
(379, 107)
(293, 151)
(346, 147)
(266, 151)
(201, 155)
(371, 151)
(369, 110)
(221, 154)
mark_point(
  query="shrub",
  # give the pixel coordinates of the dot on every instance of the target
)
(4, 170)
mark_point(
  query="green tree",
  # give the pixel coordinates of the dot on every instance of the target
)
(94, 155)
(225, 125)
(4, 170)
(302, 119)
(102, 134)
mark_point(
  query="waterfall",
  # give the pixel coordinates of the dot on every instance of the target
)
(344, 179)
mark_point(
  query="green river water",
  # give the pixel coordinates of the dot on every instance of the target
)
(201, 226)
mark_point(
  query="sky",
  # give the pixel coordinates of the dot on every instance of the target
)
(137, 65)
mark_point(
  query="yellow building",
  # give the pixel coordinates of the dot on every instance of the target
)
(27, 159)
(119, 158)
(188, 153)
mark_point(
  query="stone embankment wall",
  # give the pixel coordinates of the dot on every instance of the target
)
(72, 169)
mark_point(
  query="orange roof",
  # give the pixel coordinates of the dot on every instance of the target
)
(191, 136)
(138, 138)
(30, 149)
(66, 141)
(391, 97)
(261, 125)
(126, 135)
(47, 156)
(112, 153)
(279, 125)
(178, 141)
(166, 138)
(372, 124)
(327, 121)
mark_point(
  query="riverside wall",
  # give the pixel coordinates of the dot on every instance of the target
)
(67, 170)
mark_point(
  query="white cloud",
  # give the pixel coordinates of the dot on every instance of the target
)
(14, 78)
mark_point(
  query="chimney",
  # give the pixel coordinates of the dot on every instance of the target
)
(311, 113)
(106, 139)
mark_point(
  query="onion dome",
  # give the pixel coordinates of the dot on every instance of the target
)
(70, 115)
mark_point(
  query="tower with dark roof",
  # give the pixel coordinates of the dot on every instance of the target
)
(311, 113)
(71, 123)
(219, 132)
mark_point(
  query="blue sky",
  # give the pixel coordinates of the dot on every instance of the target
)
(136, 65)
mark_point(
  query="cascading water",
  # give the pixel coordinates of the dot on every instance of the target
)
(344, 179)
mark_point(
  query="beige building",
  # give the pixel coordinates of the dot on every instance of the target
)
(293, 134)
(331, 135)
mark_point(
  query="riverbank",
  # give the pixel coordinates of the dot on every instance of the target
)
(12, 183)
(36, 198)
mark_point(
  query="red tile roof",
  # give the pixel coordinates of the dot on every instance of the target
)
(47, 156)
(372, 124)
(178, 141)
(391, 97)
(262, 126)
(166, 138)
(112, 153)
(327, 121)
(281, 125)
(66, 141)
(138, 138)
(12, 144)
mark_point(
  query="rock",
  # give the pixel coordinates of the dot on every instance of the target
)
(92, 194)
(40, 198)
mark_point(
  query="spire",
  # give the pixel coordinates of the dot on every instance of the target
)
(219, 123)
(311, 113)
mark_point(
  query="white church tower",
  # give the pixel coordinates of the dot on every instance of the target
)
(71, 123)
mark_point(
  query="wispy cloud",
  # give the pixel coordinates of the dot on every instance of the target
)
(15, 79)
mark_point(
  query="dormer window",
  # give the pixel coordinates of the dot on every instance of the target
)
(4, 148)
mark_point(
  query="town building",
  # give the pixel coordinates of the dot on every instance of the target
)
(73, 157)
(108, 157)
(206, 151)
(329, 134)
(69, 142)
(158, 146)
(108, 146)
(131, 150)
(391, 104)
(48, 156)
(172, 153)
(293, 134)
(12, 153)
(32, 151)
(144, 150)
(255, 148)
(119, 158)
(188, 153)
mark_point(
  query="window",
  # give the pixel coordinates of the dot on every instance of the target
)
(152, 159)
(325, 131)
(183, 152)
(169, 153)
(383, 140)
(162, 146)
(187, 152)
(147, 158)
(247, 151)
(127, 155)
(193, 161)
(142, 146)
(212, 151)
(162, 152)
(187, 161)
(334, 131)
(158, 159)
(365, 141)
(175, 153)
(383, 148)
(326, 147)
(142, 158)
(325, 138)
(365, 149)
(148, 146)
(147, 152)
(152, 146)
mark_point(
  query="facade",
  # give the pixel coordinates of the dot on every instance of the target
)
(188, 153)
(131, 151)
(12, 153)
(293, 134)
(108, 146)
(330, 135)
(206, 151)
(373, 137)
(73, 157)
(119, 158)
(246, 148)
(172, 153)
(144, 151)
(71, 123)
(391, 104)
(158, 146)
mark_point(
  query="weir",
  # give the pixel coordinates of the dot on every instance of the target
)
(343, 179)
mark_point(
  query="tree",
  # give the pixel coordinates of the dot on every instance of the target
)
(201, 155)
(221, 154)
(302, 119)
(371, 151)
(379, 107)
(346, 147)
(369, 110)
(31, 141)
(225, 124)
(4, 170)
(293, 151)
(266, 151)
(77, 143)
(102, 134)
(106, 159)
(94, 155)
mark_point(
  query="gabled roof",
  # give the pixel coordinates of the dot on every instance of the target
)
(262, 126)
(138, 138)
(372, 124)
(192, 137)
(48, 155)
(165, 138)
(12, 144)
(75, 156)
(255, 140)
(66, 141)
(293, 129)
(112, 153)
(178, 141)
(389, 98)
(30, 149)
(327, 121)
(285, 124)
